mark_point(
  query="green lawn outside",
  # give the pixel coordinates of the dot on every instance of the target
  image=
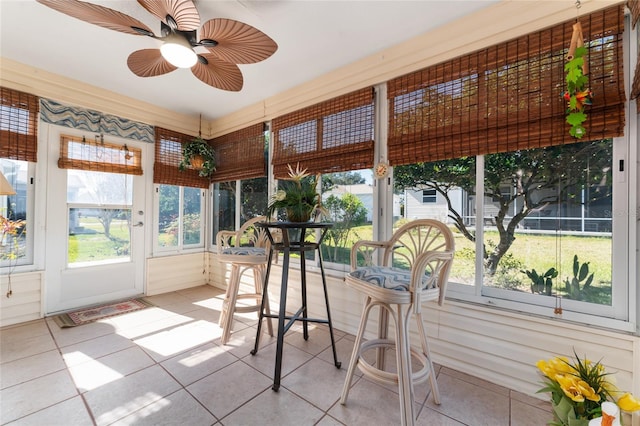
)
(528, 251)
(94, 246)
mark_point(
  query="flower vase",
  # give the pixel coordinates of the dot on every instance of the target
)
(565, 415)
(610, 415)
(197, 161)
(578, 422)
(301, 213)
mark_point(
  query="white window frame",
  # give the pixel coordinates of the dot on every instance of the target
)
(180, 247)
(626, 296)
(27, 263)
(622, 313)
(429, 196)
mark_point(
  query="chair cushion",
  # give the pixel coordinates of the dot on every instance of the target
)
(386, 277)
(245, 251)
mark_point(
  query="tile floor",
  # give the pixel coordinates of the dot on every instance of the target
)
(165, 366)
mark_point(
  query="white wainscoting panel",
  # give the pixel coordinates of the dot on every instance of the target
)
(25, 303)
(171, 273)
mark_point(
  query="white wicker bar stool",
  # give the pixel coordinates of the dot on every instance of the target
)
(415, 268)
(244, 249)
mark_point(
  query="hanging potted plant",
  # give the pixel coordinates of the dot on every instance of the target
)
(198, 155)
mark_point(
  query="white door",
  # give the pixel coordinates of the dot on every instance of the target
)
(95, 230)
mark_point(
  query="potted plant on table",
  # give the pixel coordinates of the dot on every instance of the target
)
(297, 196)
(199, 155)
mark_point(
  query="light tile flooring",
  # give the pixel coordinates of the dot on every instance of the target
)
(165, 366)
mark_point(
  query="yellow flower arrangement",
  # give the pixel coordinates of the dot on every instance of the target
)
(10, 232)
(578, 390)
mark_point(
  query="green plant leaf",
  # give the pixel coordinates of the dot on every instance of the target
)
(580, 52)
(576, 83)
(577, 131)
(574, 72)
(584, 271)
(576, 118)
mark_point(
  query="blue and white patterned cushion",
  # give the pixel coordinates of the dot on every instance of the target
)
(245, 251)
(385, 277)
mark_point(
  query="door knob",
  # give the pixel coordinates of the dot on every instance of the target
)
(138, 224)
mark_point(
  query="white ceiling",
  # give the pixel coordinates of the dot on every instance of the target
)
(314, 37)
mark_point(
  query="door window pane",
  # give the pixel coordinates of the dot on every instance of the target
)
(99, 188)
(99, 208)
(98, 236)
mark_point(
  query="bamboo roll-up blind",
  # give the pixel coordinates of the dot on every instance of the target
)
(99, 156)
(18, 132)
(508, 96)
(240, 154)
(168, 154)
(634, 7)
(333, 136)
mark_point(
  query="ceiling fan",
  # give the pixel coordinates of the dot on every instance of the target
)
(226, 42)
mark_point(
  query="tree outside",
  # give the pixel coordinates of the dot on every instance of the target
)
(346, 213)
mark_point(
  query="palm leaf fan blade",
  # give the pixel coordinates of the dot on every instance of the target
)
(238, 43)
(148, 63)
(218, 73)
(99, 15)
(183, 12)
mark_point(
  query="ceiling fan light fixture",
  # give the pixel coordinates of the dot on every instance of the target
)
(178, 52)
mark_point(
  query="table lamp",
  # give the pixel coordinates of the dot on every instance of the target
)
(5, 186)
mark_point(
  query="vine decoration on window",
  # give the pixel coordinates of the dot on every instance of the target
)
(578, 94)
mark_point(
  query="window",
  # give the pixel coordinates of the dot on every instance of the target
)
(99, 212)
(241, 155)
(179, 196)
(454, 181)
(16, 211)
(348, 200)
(428, 195)
(18, 155)
(551, 236)
(335, 139)
(235, 202)
(530, 206)
(99, 199)
(549, 241)
(180, 212)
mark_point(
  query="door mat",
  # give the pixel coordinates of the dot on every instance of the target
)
(95, 313)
